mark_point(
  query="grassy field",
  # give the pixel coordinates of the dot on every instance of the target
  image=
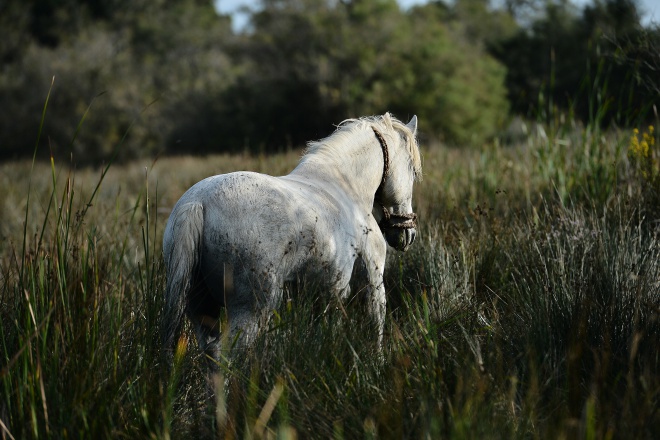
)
(528, 308)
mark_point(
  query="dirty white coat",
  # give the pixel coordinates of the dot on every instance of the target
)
(262, 230)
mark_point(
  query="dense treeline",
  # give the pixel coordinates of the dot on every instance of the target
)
(169, 76)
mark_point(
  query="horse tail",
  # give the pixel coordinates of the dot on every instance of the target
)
(182, 248)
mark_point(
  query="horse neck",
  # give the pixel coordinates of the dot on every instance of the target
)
(356, 167)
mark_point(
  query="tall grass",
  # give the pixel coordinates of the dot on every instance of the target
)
(78, 319)
(528, 308)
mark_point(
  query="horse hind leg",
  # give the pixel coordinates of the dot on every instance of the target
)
(207, 331)
(249, 308)
(204, 313)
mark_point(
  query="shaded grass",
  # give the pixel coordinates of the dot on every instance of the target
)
(528, 308)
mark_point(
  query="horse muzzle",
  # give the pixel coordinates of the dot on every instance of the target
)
(400, 239)
(399, 230)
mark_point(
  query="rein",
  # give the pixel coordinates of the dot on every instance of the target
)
(389, 220)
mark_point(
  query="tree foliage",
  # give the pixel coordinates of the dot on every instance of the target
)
(310, 63)
(170, 76)
(581, 61)
(123, 62)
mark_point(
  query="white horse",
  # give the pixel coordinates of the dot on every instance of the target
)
(349, 195)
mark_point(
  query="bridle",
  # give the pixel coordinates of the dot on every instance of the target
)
(389, 220)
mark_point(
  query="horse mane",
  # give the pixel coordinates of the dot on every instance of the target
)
(334, 146)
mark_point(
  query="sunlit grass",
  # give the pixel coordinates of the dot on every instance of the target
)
(528, 308)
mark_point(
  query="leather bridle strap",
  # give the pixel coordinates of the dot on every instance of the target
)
(386, 160)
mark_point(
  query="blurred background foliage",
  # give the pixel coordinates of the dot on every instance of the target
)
(172, 77)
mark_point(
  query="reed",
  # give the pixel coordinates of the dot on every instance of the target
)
(528, 308)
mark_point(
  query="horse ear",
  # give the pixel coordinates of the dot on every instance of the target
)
(412, 125)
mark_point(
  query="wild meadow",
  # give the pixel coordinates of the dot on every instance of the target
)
(529, 307)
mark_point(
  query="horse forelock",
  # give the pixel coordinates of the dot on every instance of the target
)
(390, 127)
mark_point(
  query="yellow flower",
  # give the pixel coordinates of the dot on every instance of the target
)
(641, 154)
(648, 136)
(641, 149)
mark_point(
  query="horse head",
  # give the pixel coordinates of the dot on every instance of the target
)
(402, 166)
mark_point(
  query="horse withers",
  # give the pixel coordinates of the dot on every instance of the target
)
(350, 194)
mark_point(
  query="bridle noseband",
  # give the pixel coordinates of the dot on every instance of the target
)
(389, 220)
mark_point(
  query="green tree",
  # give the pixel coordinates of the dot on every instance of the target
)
(142, 65)
(572, 60)
(454, 84)
(171, 75)
(310, 63)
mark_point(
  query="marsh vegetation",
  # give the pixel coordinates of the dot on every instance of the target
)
(528, 307)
